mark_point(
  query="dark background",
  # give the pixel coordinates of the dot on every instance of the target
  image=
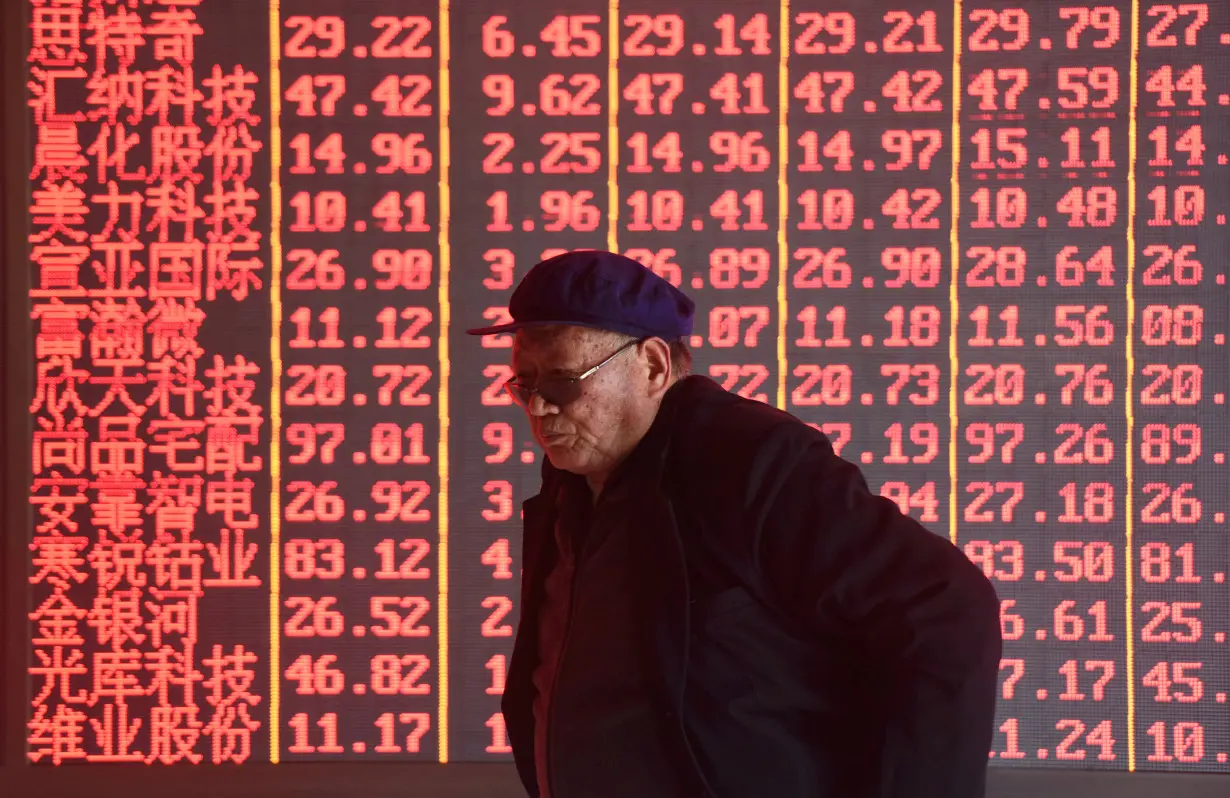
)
(17, 778)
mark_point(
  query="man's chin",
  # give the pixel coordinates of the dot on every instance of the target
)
(565, 459)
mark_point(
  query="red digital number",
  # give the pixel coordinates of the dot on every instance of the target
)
(1160, 34)
(314, 559)
(1003, 561)
(667, 29)
(835, 24)
(399, 674)
(402, 616)
(987, 37)
(1102, 20)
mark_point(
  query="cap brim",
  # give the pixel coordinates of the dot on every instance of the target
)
(512, 327)
(500, 328)
(627, 330)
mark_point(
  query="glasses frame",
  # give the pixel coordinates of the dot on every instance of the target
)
(512, 387)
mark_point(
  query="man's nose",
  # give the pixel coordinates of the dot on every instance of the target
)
(538, 406)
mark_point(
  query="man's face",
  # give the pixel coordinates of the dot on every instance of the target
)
(592, 434)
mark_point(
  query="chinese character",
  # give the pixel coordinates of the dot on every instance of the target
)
(229, 686)
(231, 97)
(58, 153)
(59, 269)
(60, 207)
(120, 33)
(59, 736)
(174, 31)
(57, 34)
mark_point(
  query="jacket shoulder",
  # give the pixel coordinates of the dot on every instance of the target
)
(726, 445)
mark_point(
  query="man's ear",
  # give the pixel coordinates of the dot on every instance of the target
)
(657, 359)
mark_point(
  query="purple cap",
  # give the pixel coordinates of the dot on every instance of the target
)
(592, 288)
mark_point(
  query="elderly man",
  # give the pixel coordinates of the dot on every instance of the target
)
(713, 604)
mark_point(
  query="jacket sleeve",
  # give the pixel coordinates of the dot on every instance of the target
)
(851, 565)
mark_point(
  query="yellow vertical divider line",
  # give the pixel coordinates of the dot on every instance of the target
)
(954, 242)
(1129, 390)
(783, 197)
(275, 377)
(442, 404)
(612, 127)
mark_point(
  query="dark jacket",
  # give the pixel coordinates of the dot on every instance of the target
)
(813, 641)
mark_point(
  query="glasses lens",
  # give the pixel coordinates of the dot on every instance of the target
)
(560, 392)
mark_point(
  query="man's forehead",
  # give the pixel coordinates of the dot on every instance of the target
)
(560, 347)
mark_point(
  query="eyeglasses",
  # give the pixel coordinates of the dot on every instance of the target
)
(559, 391)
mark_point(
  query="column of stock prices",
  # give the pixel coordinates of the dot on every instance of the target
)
(275, 491)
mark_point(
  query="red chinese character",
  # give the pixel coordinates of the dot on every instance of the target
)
(231, 560)
(229, 686)
(59, 332)
(232, 216)
(116, 618)
(231, 97)
(60, 207)
(59, 445)
(58, 669)
(56, 387)
(173, 614)
(231, 149)
(118, 450)
(117, 391)
(112, 92)
(176, 156)
(230, 679)
(59, 736)
(117, 337)
(58, 508)
(43, 94)
(174, 503)
(174, 204)
(173, 379)
(57, 153)
(232, 498)
(174, 732)
(224, 445)
(115, 562)
(236, 275)
(59, 269)
(115, 675)
(169, 88)
(175, 270)
(56, 33)
(177, 564)
(233, 387)
(172, 669)
(230, 730)
(59, 560)
(173, 33)
(110, 150)
(113, 199)
(116, 508)
(175, 437)
(117, 271)
(115, 734)
(59, 622)
(174, 326)
(120, 33)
